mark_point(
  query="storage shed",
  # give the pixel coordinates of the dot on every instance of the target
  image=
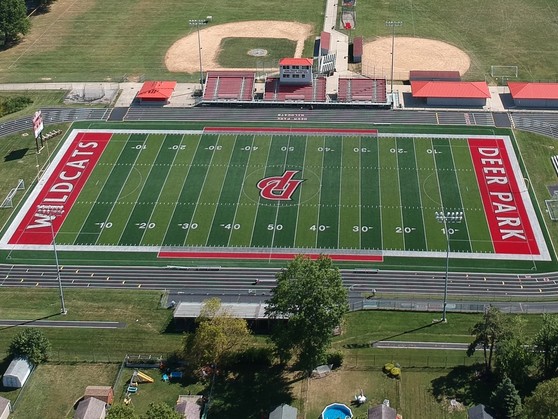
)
(103, 393)
(382, 411)
(284, 412)
(91, 408)
(17, 373)
(5, 408)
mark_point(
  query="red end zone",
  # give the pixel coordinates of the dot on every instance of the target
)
(508, 221)
(61, 189)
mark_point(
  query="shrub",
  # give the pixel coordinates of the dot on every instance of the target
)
(395, 372)
(14, 104)
(388, 367)
(335, 359)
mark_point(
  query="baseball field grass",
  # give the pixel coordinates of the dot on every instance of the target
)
(234, 52)
(104, 40)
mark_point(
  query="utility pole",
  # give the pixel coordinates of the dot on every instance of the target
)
(444, 218)
(197, 23)
(52, 211)
(393, 24)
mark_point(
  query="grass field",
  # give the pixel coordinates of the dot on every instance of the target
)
(342, 193)
(234, 52)
(53, 389)
(103, 39)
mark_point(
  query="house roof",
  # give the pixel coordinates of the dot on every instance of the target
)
(284, 412)
(90, 408)
(382, 411)
(296, 61)
(189, 409)
(156, 90)
(526, 90)
(3, 404)
(450, 89)
(478, 412)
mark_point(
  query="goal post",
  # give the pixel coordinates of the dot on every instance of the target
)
(505, 71)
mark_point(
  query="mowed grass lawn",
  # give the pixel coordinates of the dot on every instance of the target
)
(411, 396)
(145, 331)
(101, 40)
(53, 389)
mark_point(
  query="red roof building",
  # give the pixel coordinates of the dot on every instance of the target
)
(325, 41)
(296, 61)
(296, 71)
(451, 93)
(543, 95)
(156, 91)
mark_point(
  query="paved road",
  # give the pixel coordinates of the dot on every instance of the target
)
(62, 324)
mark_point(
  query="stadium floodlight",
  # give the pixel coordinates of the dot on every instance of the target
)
(393, 24)
(197, 23)
(52, 211)
(449, 217)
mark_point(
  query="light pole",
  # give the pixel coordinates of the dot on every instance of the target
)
(393, 24)
(197, 23)
(445, 218)
(52, 211)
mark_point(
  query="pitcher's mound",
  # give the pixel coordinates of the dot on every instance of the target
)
(411, 54)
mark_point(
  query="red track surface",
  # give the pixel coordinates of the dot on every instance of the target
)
(279, 130)
(510, 227)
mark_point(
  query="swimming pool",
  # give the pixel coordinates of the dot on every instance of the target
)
(337, 411)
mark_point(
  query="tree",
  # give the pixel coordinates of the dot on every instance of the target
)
(506, 400)
(311, 295)
(30, 344)
(13, 20)
(487, 332)
(161, 411)
(514, 356)
(120, 411)
(217, 335)
(546, 345)
(543, 403)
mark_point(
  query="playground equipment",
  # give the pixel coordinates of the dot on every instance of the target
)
(142, 378)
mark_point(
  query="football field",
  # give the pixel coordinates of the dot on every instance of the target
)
(255, 193)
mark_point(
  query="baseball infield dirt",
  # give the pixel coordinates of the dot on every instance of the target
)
(183, 54)
(411, 54)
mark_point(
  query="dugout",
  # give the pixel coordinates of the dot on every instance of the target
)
(451, 93)
(156, 92)
(534, 95)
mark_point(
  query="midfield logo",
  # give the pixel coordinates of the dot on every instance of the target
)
(279, 188)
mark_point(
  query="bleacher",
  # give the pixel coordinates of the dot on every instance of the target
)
(229, 85)
(275, 91)
(361, 90)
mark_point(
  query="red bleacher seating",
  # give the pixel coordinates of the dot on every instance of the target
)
(362, 89)
(276, 91)
(229, 85)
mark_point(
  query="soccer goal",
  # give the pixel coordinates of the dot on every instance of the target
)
(504, 71)
(8, 200)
